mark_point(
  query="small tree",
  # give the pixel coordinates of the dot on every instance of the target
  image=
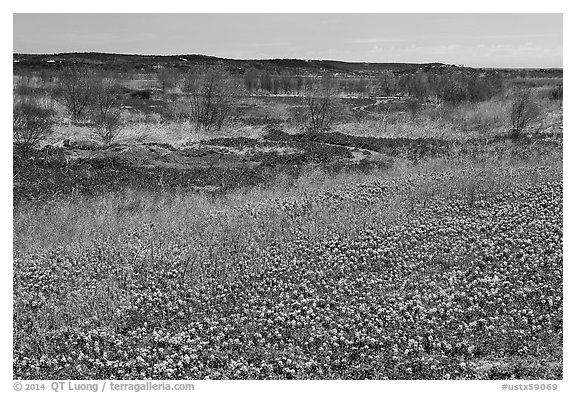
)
(211, 97)
(524, 111)
(32, 122)
(75, 90)
(105, 111)
(320, 104)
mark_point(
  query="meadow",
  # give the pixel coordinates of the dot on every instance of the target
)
(404, 241)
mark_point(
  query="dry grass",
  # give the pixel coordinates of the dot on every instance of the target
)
(468, 120)
(399, 127)
(177, 134)
(80, 220)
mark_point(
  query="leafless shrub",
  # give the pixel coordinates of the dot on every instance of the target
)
(105, 111)
(75, 90)
(453, 87)
(320, 104)
(32, 122)
(524, 111)
(211, 97)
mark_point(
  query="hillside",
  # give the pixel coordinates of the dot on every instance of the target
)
(124, 62)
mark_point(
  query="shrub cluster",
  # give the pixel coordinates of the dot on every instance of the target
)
(32, 121)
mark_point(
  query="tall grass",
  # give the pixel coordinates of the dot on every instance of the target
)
(462, 121)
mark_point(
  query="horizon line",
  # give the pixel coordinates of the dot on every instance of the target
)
(278, 58)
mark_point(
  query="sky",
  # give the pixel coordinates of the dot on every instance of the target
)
(475, 40)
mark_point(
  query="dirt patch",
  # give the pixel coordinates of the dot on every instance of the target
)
(415, 149)
(221, 164)
(86, 169)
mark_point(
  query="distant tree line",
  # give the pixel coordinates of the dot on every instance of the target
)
(266, 82)
(452, 86)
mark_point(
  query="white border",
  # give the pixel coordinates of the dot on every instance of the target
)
(298, 6)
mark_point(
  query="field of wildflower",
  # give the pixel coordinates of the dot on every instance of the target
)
(451, 273)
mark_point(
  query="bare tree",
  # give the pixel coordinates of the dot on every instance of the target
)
(211, 97)
(105, 111)
(75, 90)
(320, 104)
(524, 111)
(32, 122)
